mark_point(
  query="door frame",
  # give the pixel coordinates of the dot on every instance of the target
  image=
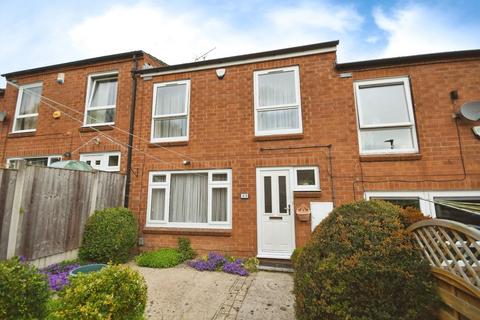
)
(260, 253)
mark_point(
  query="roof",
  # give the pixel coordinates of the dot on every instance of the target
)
(388, 62)
(240, 58)
(77, 63)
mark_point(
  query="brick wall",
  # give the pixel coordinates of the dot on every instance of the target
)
(57, 136)
(222, 136)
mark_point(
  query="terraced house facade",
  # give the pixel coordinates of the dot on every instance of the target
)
(247, 154)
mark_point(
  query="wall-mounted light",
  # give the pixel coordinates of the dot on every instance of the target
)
(220, 73)
(67, 154)
(186, 162)
(3, 115)
(61, 78)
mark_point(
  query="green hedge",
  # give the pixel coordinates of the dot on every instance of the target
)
(109, 236)
(115, 292)
(162, 258)
(361, 264)
(24, 291)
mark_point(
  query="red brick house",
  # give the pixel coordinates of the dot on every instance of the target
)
(228, 151)
(90, 95)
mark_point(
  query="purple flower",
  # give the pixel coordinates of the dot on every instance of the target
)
(235, 268)
(22, 259)
(58, 275)
(213, 262)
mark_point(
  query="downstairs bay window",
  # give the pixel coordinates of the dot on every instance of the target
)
(190, 199)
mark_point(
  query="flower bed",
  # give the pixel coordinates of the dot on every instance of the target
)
(58, 274)
(217, 262)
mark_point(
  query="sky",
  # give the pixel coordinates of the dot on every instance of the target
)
(38, 33)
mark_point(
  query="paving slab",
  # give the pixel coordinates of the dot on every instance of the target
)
(185, 293)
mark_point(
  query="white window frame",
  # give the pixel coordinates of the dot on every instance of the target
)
(258, 108)
(211, 185)
(92, 78)
(408, 98)
(105, 157)
(427, 207)
(315, 187)
(49, 161)
(19, 103)
(171, 116)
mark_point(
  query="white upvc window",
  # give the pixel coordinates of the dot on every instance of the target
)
(107, 161)
(385, 118)
(425, 201)
(171, 104)
(12, 163)
(306, 179)
(190, 199)
(277, 101)
(26, 112)
(101, 99)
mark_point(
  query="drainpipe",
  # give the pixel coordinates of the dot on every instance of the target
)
(131, 129)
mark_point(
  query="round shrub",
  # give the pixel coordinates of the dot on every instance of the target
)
(411, 215)
(115, 292)
(109, 236)
(361, 264)
(23, 291)
(163, 258)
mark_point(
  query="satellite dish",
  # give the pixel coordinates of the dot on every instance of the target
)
(471, 110)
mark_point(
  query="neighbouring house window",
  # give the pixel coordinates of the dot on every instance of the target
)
(306, 179)
(428, 203)
(109, 161)
(386, 121)
(449, 213)
(101, 99)
(12, 163)
(26, 112)
(170, 111)
(277, 101)
(190, 199)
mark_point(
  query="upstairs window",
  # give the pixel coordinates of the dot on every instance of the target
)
(386, 122)
(101, 99)
(170, 111)
(26, 112)
(277, 102)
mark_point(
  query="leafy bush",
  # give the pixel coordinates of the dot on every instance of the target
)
(109, 236)
(163, 258)
(410, 215)
(185, 249)
(251, 264)
(115, 292)
(23, 291)
(361, 264)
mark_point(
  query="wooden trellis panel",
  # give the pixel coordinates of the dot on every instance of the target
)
(453, 251)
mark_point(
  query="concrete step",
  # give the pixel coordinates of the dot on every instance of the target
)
(278, 265)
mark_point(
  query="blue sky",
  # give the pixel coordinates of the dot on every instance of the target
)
(38, 33)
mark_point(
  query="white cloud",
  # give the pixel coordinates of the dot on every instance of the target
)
(418, 29)
(177, 37)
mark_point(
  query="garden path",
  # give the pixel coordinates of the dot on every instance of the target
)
(184, 293)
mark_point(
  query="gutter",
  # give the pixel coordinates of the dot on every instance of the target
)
(130, 131)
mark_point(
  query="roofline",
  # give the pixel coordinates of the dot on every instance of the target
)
(243, 59)
(388, 62)
(117, 56)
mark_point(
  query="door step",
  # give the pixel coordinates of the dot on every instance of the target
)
(278, 265)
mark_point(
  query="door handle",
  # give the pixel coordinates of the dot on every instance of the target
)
(288, 209)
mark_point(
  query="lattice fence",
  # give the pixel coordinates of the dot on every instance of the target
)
(453, 251)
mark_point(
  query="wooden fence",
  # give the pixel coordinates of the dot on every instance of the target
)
(453, 251)
(43, 210)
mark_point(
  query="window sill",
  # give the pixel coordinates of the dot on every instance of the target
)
(167, 144)
(391, 157)
(95, 128)
(294, 136)
(189, 231)
(307, 194)
(21, 134)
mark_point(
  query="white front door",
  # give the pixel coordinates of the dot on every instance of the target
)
(275, 218)
(108, 161)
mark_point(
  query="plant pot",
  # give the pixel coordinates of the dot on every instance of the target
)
(303, 217)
